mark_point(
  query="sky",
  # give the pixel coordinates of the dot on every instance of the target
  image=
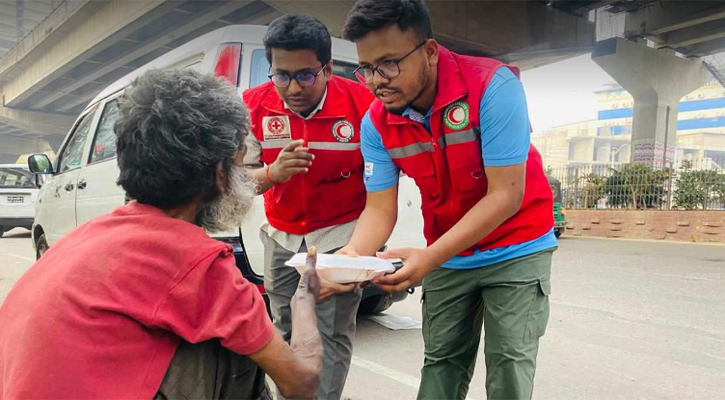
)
(563, 93)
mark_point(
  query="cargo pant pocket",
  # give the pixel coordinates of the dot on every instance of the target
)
(538, 316)
(426, 322)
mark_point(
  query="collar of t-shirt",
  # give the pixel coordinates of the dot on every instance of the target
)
(418, 117)
(315, 111)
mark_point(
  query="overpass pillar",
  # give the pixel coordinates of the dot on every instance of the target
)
(657, 80)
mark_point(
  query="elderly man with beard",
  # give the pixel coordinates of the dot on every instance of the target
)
(102, 313)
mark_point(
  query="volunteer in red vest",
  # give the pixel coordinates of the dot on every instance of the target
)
(141, 303)
(458, 126)
(306, 125)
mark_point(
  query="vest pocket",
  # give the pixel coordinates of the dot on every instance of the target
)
(466, 167)
(421, 169)
(340, 165)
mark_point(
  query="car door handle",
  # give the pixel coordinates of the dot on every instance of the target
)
(82, 184)
(69, 187)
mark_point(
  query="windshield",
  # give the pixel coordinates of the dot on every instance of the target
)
(15, 178)
(555, 189)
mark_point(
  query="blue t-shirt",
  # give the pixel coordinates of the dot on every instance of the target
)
(505, 140)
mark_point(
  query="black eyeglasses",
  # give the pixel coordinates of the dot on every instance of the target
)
(387, 69)
(304, 79)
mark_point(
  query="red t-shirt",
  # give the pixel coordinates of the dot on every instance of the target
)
(101, 314)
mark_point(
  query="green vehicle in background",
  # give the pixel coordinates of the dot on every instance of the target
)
(559, 212)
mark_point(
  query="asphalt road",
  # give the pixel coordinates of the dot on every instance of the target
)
(629, 320)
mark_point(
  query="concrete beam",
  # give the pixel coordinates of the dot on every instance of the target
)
(37, 7)
(8, 28)
(708, 48)
(492, 28)
(331, 13)
(49, 30)
(37, 121)
(27, 13)
(14, 146)
(75, 35)
(668, 16)
(695, 34)
(149, 46)
(261, 19)
(9, 129)
(526, 60)
(7, 41)
(593, 6)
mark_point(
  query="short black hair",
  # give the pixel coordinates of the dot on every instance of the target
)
(173, 128)
(370, 15)
(298, 32)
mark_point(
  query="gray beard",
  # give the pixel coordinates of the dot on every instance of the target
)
(229, 209)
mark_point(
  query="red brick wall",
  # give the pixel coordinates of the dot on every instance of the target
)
(690, 226)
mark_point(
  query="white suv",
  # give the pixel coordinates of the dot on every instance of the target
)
(18, 191)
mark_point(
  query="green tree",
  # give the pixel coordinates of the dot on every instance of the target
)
(697, 189)
(593, 189)
(636, 186)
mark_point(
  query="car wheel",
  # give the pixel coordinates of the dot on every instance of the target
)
(375, 304)
(41, 247)
(557, 233)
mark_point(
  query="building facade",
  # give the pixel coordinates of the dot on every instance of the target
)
(606, 141)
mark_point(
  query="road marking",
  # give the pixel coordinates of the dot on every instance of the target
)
(398, 376)
(395, 375)
(21, 257)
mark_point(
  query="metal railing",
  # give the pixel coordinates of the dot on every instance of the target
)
(609, 25)
(716, 67)
(686, 185)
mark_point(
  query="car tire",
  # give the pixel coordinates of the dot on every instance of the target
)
(375, 304)
(41, 247)
(558, 232)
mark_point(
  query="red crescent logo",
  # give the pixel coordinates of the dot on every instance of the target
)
(344, 131)
(452, 115)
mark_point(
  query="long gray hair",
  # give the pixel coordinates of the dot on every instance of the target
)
(173, 128)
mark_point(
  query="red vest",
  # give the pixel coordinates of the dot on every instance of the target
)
(332, 191)
(447, 165)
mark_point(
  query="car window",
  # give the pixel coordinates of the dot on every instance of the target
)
(104, 144)
(16, 177)
(260, 69)
(72, 154)
(344, 69)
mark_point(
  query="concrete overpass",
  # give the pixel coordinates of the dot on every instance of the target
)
(662, 52)
(55, 69)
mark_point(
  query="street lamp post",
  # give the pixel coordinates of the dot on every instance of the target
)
(613, 153)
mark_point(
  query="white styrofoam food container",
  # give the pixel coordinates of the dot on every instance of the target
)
(344, 269)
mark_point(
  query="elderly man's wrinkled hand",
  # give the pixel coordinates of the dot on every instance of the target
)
(310, 284)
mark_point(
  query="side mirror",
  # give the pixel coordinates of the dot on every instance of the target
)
(40, 164)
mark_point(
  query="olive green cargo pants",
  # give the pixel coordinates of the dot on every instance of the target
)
(510, 299)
